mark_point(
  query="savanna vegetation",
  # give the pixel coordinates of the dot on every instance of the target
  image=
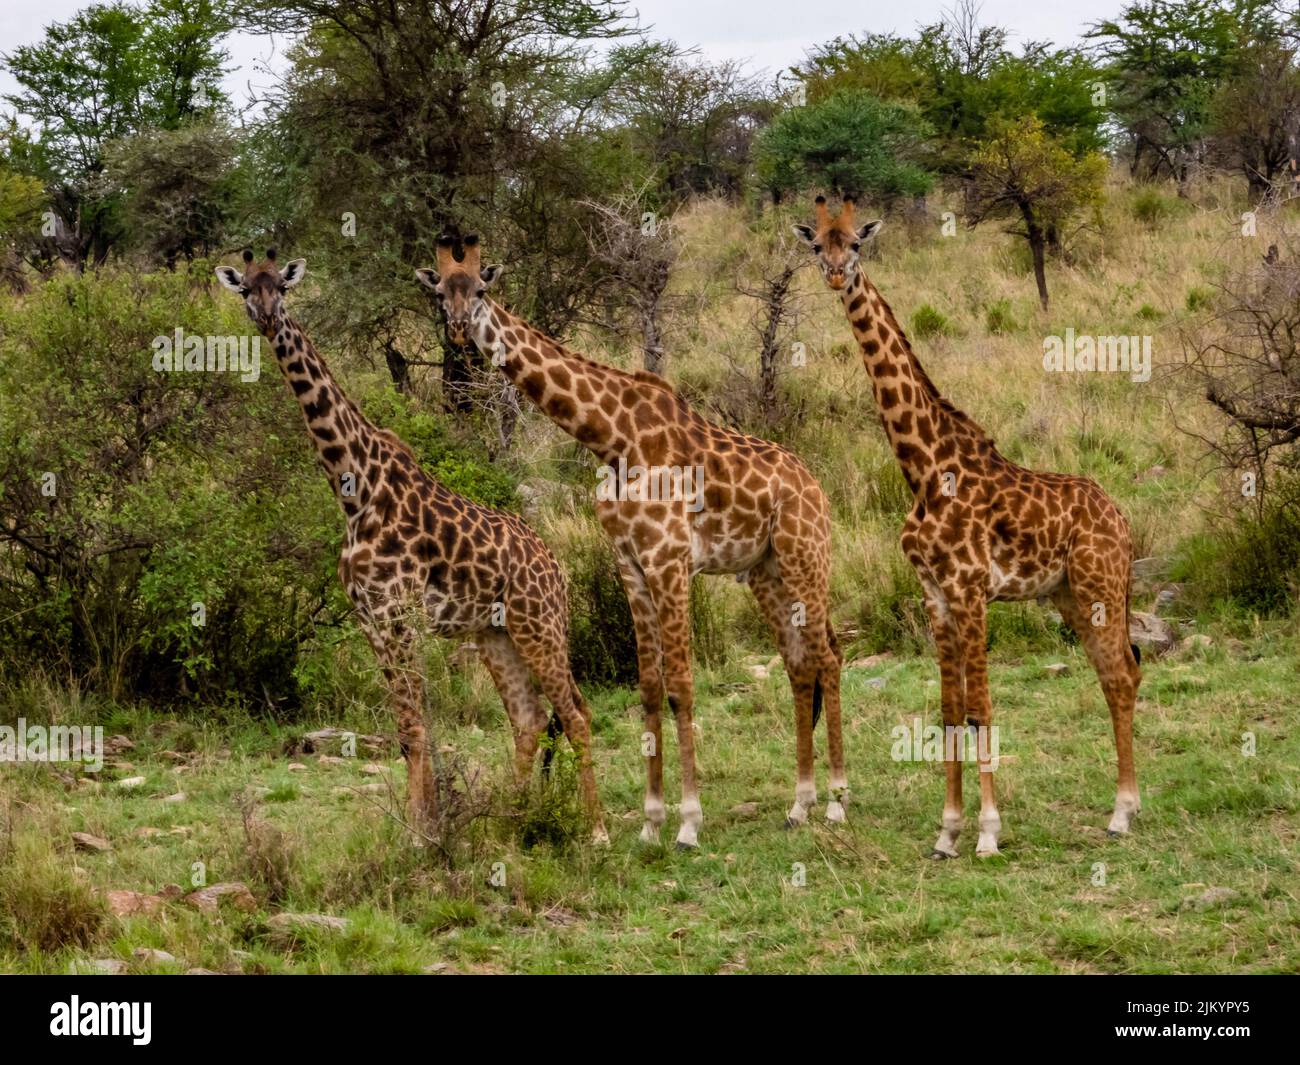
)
(168, 546)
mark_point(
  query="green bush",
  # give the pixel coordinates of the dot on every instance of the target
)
(602, 639)
(928, 322)
(1198, 299)
(1151, 207)
(998, 319)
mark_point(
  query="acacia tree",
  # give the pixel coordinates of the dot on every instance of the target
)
(111, 71)
(1022, 172)
(1255, 116)
(1164, 63)
(400, 122)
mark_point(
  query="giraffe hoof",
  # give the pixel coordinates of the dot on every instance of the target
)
(687, 846)
(1115, 834)
(937, 855)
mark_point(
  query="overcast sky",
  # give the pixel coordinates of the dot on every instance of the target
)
(769, 34)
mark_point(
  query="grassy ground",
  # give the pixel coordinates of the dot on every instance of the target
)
(1062, 897)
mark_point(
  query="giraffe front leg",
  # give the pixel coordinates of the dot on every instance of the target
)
(979, 713)
(650, 681)
(952, 698)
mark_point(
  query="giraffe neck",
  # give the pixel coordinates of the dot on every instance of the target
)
(914, 416)
(342, 436)
(586, 399)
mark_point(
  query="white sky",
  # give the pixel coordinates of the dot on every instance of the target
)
(768, 34)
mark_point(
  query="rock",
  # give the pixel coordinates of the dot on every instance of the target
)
(179, 796)
(436, 967)
(1150, 566)
(146, 831)
(153, 956)
(1056, 669)
(1154, 473)
(745, 809)
(870, 662)
(1151, 633)
(297, 767)
(1210, 899)
(373, 769)
(130, 782)
(1196, 641)
(116, 744)
(329, 759)
(84, 841)
(302, 922)
(131, 903)
(86, 782)
(365, 789)
(105, 966)
(758, 671)
(1168, 596)
(201, 972)
(208, 899)
(876, 682)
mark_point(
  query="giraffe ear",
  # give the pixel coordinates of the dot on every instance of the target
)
(293, 273)
(231, 278)
(869, 230)
(804, 233)
(427, 276)
(491, 274)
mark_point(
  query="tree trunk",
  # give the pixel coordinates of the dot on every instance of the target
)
(398, 368)
(1037, 246)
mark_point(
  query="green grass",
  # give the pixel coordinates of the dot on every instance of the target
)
(871, 899)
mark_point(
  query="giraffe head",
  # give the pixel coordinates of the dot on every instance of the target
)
(461, 286)
(262, 285)
(837, 241)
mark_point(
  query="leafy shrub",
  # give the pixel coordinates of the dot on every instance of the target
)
(998, 319)
(928, 322)
(602, 638)
(1198, 299)
(1151, 207)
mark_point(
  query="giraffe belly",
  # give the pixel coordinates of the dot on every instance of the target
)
(717, 549)
(1014, 584)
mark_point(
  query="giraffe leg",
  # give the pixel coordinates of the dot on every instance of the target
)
(1097, 610)
(804, 563)
(546, 656)
(952, 676)
(650, 678)
(514, 683)
(972, 629)
(779, 608)
(670, 587)
(393, 647)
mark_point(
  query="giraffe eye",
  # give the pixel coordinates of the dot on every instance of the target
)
(481, 293)
(817, 248)
(856, 246)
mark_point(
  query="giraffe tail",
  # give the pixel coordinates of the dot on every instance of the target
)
(554, 730)
(817, 700)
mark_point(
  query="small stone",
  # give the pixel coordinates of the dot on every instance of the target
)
(86, 782)
(130, 903)
(436, 967)
(201, 972)
(373, 768)
(329, 759)
(130, 782)
(758, 671)
(152, 955)
(870, 662)
(365, 789)
(146, 831)
(296, 767)
(84, 841)
(745, 809)
(1149, 631)
(300, 922)
(1056, 669)
(1210, 899)
(107, 966)
(876, 682)
(1196, 641)
(179, 796)
(208, 899)
(114, 744)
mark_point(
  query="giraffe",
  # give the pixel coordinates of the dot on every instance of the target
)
(716, 501)
(981, 529)
(418, 557)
